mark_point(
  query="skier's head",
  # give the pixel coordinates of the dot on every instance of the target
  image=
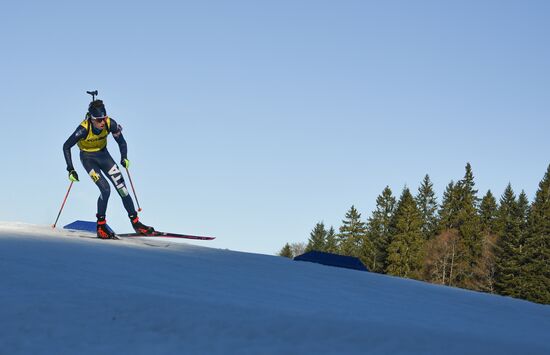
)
(97, 113)
(97, 110)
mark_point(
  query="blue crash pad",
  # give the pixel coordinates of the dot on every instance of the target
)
(86, 226)
(348, 262)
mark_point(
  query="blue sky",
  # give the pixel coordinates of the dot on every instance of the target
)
(253, 120)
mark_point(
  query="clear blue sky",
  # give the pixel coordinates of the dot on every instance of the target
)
(253, 120)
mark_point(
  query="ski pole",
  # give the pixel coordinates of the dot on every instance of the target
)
(63, 204)
(132, 184)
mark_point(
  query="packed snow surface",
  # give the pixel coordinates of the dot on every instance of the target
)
(65, 294)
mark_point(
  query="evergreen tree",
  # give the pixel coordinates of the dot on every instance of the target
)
(488, 217)
(379, 229)
(523, 214)
(468, 184)
(317, 238)
(331, 244)
(427, 204)
(353, 237)
(286, 251)
(536, 266)
(448, 213)
(488, 213)
(405, 252)
(508, 258)
(471, 239)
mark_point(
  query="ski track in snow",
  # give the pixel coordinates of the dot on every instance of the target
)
(63, 294)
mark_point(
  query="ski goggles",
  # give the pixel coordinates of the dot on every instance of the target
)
(99, 119)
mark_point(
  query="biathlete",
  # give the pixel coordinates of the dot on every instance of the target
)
(91, 137)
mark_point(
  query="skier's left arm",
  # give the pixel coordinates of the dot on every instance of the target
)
(73, 139)
(116, 131)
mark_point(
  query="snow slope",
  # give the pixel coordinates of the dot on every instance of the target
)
(61, 294)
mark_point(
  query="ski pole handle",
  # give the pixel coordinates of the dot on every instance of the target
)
(63, 204)
(132, 184)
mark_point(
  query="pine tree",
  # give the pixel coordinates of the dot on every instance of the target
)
(317, 238)
(379, 229)
(286, 251)
(523, 212)
(448, 213)
(488, 217)
(488, 212)
(459, 212)
(331, 244)
(508, 257)
(405, 252)
(468, 184)
(353, 237)
(536, 266)
(471, 239)
(427, 204)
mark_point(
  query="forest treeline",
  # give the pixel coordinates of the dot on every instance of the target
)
(482, 244)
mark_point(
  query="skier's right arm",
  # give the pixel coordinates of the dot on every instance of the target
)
(77, 135)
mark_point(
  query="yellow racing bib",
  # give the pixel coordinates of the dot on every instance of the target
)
(94, 142)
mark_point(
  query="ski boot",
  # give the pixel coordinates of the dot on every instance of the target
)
(102, 231)
(140, 227)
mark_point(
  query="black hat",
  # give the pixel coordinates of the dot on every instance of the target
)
(97, 109)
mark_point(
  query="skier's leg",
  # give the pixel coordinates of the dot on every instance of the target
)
(103, 199)
(93, 168)
(90, 163)
(111, 169)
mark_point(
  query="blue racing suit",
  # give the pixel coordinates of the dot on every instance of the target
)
(98, 162)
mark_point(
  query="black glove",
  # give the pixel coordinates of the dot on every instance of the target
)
(73, 175)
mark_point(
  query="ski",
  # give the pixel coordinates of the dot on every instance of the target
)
(165, 235)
